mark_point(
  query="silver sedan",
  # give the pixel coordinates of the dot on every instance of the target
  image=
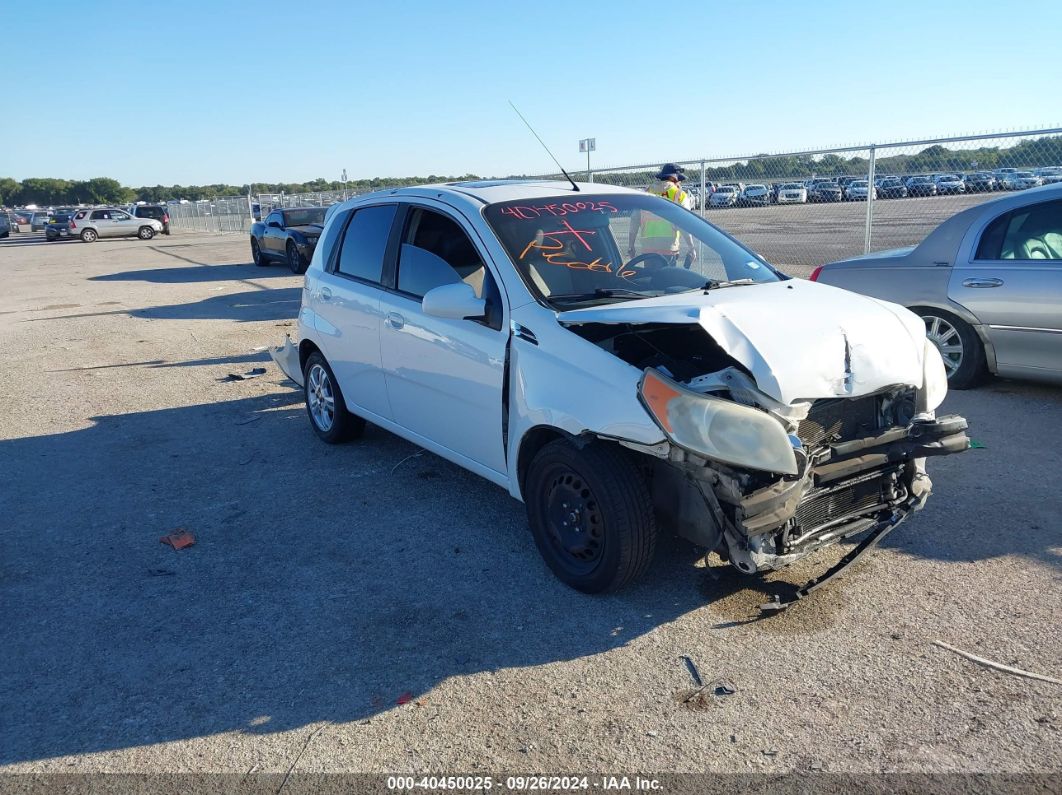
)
(988, 282)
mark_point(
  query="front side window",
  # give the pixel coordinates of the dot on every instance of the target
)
(615, 246)
(120, 216)
(1028, 233)
(365, 243)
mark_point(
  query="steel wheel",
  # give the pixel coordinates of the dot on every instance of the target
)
(320, 397)
(948, 341)
(575, 527)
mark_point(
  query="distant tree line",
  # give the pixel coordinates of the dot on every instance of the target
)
(103, 190)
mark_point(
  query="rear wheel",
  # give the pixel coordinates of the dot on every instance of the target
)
(959, 346)
(145, 233)
(324, 403)
(590, 514)
(88, 235)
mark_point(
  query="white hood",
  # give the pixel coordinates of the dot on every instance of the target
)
(800, 340)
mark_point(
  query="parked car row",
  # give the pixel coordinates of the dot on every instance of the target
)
(89, 223)
(855, 188)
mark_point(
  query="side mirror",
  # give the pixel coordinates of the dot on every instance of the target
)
(456, 301)
(274, 225)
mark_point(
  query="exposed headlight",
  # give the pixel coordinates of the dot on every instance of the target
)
(717, 428)
(934, 377)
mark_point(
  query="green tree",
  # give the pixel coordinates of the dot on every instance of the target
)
(9, 189)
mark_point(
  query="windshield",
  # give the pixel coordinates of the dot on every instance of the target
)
(726, 189)
(616, 247)
(791, 186)
(1024, 174)
(313, 215)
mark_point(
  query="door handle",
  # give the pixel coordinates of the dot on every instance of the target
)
(395, 320)
(982, 283)
(326, 294)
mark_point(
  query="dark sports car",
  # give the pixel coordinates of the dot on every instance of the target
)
(289, 235)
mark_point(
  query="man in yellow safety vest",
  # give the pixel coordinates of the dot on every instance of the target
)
(658, 235)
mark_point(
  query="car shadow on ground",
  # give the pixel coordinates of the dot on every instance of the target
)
(243, 307)
(325, 582)
(195, 273)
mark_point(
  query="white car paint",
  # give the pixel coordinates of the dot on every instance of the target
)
(756, 325)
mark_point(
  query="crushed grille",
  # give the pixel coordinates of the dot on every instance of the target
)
(839, 419)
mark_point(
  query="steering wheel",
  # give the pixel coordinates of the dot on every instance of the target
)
(640, 272)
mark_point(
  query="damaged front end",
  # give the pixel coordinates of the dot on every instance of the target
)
(854, 466)
(765, 482)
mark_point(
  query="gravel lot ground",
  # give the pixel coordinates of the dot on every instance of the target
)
(328, 582)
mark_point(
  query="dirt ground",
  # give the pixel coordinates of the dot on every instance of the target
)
(328, 584)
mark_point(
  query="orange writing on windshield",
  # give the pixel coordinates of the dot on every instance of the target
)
(554, 248)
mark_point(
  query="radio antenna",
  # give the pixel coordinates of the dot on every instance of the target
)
(555, 160)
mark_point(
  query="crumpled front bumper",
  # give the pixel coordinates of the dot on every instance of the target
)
(286, 357)
(842, 493)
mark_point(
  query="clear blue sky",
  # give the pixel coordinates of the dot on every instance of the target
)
(195, 92)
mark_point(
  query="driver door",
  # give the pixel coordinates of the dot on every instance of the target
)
(444, 376)
(273, 236)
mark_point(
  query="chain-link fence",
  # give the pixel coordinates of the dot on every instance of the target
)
(802, 209)
(798, 209)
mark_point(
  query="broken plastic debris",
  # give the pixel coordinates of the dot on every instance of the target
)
(178, 539)
(976, 445)
(253, 373)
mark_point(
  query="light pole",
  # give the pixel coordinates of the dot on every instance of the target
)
(343, 179)
(588, 145)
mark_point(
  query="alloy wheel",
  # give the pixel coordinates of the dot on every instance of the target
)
(321, 397)
(947, 340)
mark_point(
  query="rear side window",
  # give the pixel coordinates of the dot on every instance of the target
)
(149, 212)
(98, 215)
(80, 215)
(365, 243)
(1028, 233)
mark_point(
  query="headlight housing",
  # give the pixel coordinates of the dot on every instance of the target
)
(934, 377)
(716, 428)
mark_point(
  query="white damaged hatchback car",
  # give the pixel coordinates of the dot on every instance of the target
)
(621, 366)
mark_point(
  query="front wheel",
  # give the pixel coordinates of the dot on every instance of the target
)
(591, 515)
(145, 233)
(295, 260)
(324, 403)
(88, 236)
(959, 346)
(256, 254)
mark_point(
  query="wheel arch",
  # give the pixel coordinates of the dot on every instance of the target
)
(307, 347)
(962, 313)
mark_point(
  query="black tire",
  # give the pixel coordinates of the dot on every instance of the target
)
(968, 367)
(319, 382)
(51, 238)
(145, 233)
(295, 260)
(89, 236)
(612, 532)
(257, 256)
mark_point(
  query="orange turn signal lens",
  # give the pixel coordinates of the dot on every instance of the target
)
(657, 393)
